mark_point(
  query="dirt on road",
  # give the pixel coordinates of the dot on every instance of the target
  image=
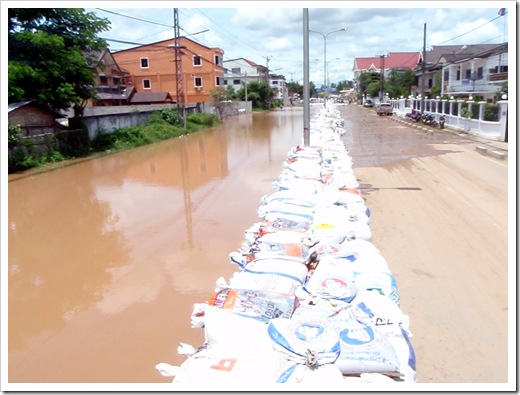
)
(440, 218)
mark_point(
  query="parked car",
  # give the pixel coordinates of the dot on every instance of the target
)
(385, 109)
(368, 103)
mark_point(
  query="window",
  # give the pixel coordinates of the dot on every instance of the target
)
(236, 82)
(480, 73)
(225, 82)
(147, 84)
(103, 80)
(235, 70)
(144, 63)
(219, 81)
(198, 82)
(468, 75)
(458, 75)
(197, 60)
(446, 75)
(430, 83)
(219, 61)
(274, 82)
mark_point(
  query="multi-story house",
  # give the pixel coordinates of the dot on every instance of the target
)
(277, 82)
(464, 70)
(480, 72)
(152, 68)
(238, 72)
(241, 71)
(110, 84)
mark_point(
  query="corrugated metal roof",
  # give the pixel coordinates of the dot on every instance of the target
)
(14, 106)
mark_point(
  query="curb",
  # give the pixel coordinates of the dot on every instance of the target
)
(492, 152)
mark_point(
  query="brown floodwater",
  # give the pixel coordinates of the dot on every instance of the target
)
(107, 257)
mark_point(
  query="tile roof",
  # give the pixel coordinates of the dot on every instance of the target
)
(406, 60)
(150, 97)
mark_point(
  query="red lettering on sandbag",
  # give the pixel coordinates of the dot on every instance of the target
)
(225, 364)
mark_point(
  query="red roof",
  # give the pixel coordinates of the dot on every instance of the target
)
(406, 60)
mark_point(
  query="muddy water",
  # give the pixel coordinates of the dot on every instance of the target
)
(107, 257)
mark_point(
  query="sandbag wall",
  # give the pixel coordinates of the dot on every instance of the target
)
(313, 300)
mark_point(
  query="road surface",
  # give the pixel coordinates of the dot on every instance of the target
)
(440, 218)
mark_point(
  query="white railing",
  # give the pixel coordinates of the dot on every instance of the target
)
(451, 109)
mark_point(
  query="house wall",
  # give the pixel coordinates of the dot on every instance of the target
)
(161, 68)
(33, 120)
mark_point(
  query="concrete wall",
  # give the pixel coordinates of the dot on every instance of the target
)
(451, 110)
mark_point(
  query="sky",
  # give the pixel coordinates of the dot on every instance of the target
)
(270, 33)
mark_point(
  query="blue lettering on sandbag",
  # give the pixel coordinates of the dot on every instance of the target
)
(300, 335)
(344, 335)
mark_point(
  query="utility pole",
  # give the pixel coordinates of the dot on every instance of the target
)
(423, 70)
(179, 76)
(382, 94)
(306, 83)
(267, 58)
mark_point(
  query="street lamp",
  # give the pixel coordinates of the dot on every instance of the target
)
(325, 51)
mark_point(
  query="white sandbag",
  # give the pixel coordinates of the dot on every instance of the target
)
(370, 262)
(263, 282)
(259, 305)
(361, 246)
(403, 348)
(382, 282)
(336, 250)
(283, 224)
(225, 328)
(332, 279)
(324, 376)
(382, 311)
(363, 348)
(290, 267)
(225, 365)
(310, 343)
(297, 185)
(287, 211)
(284, 243)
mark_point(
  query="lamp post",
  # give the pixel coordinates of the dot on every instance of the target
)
(325, 51)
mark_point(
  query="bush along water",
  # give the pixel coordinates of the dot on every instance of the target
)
(161, 125)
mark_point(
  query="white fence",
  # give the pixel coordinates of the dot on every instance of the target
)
(451, 109)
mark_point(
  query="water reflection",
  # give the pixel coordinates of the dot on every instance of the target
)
(107, 257)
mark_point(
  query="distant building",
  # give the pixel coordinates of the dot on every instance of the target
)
(400, 61)
(238, 72)
(466, 70)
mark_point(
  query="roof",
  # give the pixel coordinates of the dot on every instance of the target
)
(162, 43)
(249, 62)
(150, 97)
(16, 105)
(456, 53)
(397, 60)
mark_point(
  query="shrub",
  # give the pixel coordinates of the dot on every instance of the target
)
(491, 112)
(202, 119)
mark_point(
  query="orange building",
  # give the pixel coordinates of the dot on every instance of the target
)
(152, 68)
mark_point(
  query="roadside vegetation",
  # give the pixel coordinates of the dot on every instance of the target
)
(26, 153)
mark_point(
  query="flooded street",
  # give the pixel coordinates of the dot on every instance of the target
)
(108, 256)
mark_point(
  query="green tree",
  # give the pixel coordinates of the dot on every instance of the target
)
(260, 94)
(51, 55)
(400, 83)
(369, 84)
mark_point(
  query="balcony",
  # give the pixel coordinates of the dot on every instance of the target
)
(497, 77)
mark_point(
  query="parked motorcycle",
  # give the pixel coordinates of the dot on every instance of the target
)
(442, 120)
(414, 116)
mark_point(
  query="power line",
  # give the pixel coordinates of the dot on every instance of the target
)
(132, 17)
